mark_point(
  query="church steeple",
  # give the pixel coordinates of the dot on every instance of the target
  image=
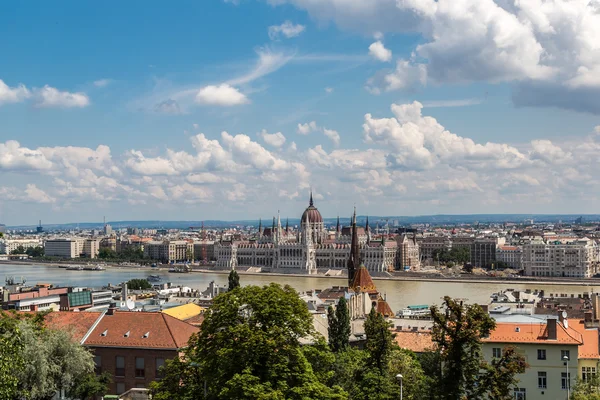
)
(287, 226)
(368, 230)
(311, 203)
(354, 260)
(337, 227)
(259, 227)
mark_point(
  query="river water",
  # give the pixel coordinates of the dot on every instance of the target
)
(399, 294)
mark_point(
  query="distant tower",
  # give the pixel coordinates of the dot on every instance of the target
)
(260, 227)
(337, 228)
(273, 239)
(39, 228)
(287, 226)
(368, 230)
(354, 260)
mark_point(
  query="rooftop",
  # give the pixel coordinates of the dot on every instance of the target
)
(530, 333)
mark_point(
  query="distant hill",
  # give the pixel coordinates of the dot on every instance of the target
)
(402, 220)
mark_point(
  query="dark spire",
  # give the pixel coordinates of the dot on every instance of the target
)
(273, 228)
(287, 225)
(354, 260)
(367, 225)
(311, 203)
(337, 227)
(259, 225)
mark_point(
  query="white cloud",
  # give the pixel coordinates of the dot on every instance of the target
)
(14, 94)
(272, 139)
(407, 75)
(329, 90)
(37, 195)
(268, 62)
(52, 97)
(305, 129)
(452, 103)
(378, 51)
(221, 95)
(15, 157)
(287, 29)
(100, 83)
(333, 135)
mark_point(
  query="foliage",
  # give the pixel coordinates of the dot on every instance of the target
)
(457, 255)
(586, 390)
(234, 280)
(415, 383)
(11, 356)
(86, 386)
(128, 253)
(249, 347)
(37, 251)
(19, 250)
(139, 284)
(380, 341)
(497, 379)
(180, 380)
(338, 325)
(107, 253)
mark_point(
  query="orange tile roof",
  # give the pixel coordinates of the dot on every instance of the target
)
(163, 331)
(362, 279)
(591, 347)
(384, 308)
(77, 323)
(506, 332)
(419, 342)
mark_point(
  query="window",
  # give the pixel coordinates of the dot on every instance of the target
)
(541, 354)
(520, 394)
(160, 362)
(497, 352)
(140, 371)
(98, 364)
(542, 382)
(565, 353)
(565, 381)
(588, 373)
(120, 387)
(120, 366)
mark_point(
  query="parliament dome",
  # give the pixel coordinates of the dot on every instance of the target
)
(312, 213)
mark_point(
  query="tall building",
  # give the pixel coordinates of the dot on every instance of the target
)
(408, 252)
(483, 251)
(63, 248)
(568, 257)
(169, 250)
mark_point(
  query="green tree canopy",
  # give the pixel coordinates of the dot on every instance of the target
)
(249, 347)
(234, 280)
(37, 251)
(338, 325)
(139, 284)
(19, 250)
(11, 356)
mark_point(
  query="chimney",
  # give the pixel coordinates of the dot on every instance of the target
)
(111, 310)
(587, 316)
(551, 323)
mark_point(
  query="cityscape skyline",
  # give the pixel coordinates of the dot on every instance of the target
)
(333, 96)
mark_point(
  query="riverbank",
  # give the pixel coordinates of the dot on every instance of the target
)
(398, 276)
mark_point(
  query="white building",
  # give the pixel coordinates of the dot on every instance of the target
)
(511, 255)
(169, 250)
(569, 258)
(63, 248)
(7, 246)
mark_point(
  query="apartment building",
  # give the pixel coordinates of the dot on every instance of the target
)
(169, 250)
(408, 257)
(576, 258)
(91, 248)
(551, 348)
(62, 247)
(483, 251)
(429, 244)
(7, 246)
(510, 255)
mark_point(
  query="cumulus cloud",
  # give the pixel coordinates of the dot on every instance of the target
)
(334, 136)
(305, 129)
(272, 139)
(222, 95)
(287, 29)
(13, 94)
(378, 51)
(52, 97)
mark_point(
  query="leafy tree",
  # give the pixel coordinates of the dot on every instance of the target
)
(89, 385)
(139, 284)
(380, 341)
(234, 280)
(415, 382)
(106, 253)
(457, 332)
(19, 250)
(11, 356)
(37, 251)
(249, 347)
(497, 379)
(54, 362)
(180, 380)
(338, 325)
(346, 369)
(586, 390)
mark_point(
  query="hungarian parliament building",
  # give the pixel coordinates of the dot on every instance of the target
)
(314, 249)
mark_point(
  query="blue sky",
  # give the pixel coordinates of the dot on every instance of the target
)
(416, 107)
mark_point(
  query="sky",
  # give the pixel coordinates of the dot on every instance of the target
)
(236, 109)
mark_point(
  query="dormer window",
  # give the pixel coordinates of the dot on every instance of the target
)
(127, 334)
(104, 333)
(146, 335)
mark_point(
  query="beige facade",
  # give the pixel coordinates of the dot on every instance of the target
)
(408, 255)
(91, 248)
(169, 250)
(7, 246)
(569, 258)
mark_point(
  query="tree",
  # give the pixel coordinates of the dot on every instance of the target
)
(19, 250)
(54, 362)
(380, 341)
(588, 389)
(234, 280)
(89, 385)
(106, 253)
(338, 325)
(139, 284)
(415, 382)
(37, 251)
(497, 379)
(249, 347)
(457, 332)
(11, 356)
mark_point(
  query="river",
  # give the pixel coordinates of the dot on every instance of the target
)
(399, 294)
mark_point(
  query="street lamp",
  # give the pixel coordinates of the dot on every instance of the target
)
(399, 377)
(566, 359)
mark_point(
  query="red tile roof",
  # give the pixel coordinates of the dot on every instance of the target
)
(77, 323)
(419, 341)
(590, 348)
(128, 329)
(362, 279)
(506, 332)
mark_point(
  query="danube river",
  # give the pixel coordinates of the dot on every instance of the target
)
(399, 293)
